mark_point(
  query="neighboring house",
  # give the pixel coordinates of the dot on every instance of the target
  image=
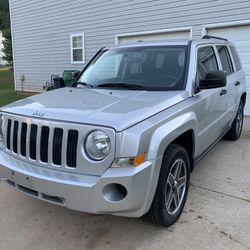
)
(52, 36)
(1, 53)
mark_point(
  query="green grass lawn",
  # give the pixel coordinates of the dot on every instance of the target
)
(7, 91)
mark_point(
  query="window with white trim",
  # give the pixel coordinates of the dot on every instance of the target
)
(77, 48)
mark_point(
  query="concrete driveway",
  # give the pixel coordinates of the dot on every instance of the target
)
(216, 216)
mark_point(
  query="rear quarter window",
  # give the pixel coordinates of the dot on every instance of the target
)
(236, 58)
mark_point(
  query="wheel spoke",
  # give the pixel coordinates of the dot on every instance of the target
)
(169, 199)
(176, 199)
(177, 169)
(181, 182)
(171, 180)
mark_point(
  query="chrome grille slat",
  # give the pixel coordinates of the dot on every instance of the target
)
(38, 143)
(50, 146)
(19, 138)
(64, 147)
(11, 135)
(28, 141)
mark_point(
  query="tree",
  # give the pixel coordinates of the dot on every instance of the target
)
(7, 47)
(6, 31)
(4, 15)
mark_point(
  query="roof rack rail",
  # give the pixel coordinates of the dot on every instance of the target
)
(214, 37)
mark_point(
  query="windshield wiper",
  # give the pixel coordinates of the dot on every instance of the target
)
(84, 84)
(120, 85)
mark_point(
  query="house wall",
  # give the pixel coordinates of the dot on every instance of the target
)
(41, 29)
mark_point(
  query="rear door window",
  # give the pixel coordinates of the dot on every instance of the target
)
(225, 59)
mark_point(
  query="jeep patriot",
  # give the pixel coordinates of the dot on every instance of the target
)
(125, 137)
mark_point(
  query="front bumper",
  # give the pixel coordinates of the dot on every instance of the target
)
(84, 192)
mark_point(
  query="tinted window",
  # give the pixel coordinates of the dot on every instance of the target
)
(206, 62)
(236, 58)
(150, 67)
(225, 59)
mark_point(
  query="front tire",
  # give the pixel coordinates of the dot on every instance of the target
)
(235, 131)
(172, 189)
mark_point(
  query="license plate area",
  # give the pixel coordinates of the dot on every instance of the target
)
(21, 180)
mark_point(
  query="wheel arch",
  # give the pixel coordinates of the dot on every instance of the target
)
(187, 141)
(243, 97)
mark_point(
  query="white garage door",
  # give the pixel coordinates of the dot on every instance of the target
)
(150, 36)
(240, 36)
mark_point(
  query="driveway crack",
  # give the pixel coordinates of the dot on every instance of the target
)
(218, 192)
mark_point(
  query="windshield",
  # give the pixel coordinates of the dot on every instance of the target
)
(149, 68)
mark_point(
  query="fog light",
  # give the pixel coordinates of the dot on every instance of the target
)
(114, 192)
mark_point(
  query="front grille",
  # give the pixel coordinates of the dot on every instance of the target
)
(42, 143)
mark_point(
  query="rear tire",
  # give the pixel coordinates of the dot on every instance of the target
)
(172, 188)
(235, 131)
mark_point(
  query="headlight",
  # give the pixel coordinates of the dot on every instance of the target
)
(97, 145)
(1, 127)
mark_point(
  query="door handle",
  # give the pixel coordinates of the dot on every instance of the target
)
(223, 92)
(237, 83)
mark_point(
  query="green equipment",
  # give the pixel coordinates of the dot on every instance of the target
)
(69, 76)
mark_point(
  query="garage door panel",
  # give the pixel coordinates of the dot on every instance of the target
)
(240, 36)
(236, 33)
(242, 44)
(154, 36)
(243, 48)
(244, 57)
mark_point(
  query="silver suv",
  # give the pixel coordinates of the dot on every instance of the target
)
(125, 137)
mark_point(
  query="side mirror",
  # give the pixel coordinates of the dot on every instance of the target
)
(213, 79)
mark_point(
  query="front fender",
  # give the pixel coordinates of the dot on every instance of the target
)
(169, 131)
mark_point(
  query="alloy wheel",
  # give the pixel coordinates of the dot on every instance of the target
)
(175, 186)
(239, 119)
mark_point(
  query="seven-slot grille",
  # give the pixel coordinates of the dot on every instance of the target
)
(33, 142)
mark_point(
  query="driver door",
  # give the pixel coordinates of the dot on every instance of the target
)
(212, 103)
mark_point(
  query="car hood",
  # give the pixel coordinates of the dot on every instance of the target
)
(118, 109)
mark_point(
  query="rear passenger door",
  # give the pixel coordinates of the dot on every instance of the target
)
(226, 65)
